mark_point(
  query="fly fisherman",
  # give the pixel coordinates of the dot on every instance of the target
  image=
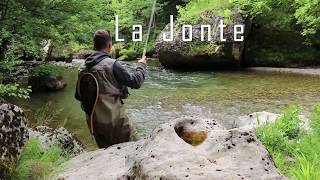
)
(109, 120)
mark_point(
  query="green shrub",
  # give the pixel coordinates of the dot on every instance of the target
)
(14, 90)
(128, 54)
(196, 11)
(289, 122)
(45, 70)
(38, 163)
(276, 135)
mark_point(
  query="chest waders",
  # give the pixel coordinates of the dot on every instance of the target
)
(88, 89)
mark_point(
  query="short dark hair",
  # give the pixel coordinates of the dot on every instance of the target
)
(101, 39)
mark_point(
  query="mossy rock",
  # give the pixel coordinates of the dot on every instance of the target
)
(201, 54)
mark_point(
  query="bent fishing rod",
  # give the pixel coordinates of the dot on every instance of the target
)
(149, 28)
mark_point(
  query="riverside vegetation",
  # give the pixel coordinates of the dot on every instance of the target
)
(294, 151)
(37, 162)
(25, 26)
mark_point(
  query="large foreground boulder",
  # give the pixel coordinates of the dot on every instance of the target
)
(201, 54)
(186, 148)
(13, 136)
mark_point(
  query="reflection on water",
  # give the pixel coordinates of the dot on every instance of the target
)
(168, 94)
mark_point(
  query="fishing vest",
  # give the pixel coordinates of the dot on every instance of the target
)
(103, 72)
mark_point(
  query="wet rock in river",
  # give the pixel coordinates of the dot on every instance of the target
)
(51, 83)
(166, 155)
(54, 83)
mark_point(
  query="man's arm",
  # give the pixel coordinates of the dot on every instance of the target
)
(134, 80)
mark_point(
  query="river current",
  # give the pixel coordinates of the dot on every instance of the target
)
(167, 94)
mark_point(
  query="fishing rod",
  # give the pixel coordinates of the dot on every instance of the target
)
(149, 28)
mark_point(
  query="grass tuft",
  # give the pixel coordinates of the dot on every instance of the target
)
(37, 162)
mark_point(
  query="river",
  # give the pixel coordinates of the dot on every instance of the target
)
(167, 94)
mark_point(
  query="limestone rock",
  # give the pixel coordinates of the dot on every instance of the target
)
(185, 148)
(201, 54)
(13, 136)
(61, 137)
(13, 130)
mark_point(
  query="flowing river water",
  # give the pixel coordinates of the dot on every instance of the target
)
(167, 94)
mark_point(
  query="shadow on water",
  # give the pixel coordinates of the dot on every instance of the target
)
(167, 94)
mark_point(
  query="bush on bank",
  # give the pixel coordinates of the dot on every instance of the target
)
(45, 70)
(294, 151)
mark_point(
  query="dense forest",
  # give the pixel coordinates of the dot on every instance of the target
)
(283, 33)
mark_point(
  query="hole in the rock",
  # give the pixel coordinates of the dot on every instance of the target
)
(194, 138)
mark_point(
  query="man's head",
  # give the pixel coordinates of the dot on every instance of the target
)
(102, 41)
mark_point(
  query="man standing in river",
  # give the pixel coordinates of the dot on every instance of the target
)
(110, 122)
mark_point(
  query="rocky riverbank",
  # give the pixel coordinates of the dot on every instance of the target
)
(315, 71)
(15, 133)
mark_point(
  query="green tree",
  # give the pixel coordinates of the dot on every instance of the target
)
(308, 16)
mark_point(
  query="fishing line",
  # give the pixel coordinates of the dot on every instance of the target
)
(149, 28)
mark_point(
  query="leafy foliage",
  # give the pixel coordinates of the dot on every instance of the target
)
(308, 16)
(195, 11)
(47, 70)
(8, 65)
(127, 54)
(14, 90)
(284, 15)
(276, 135)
